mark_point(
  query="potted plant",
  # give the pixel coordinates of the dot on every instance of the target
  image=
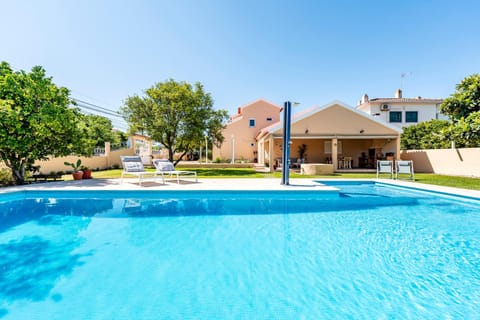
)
(302, 150)
(87, 172)
(77, 173)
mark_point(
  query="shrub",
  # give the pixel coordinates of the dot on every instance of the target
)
(6, 177)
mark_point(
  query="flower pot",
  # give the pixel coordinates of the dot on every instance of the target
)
(87, 174)
(77, 175)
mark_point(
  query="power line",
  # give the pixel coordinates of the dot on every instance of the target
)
(88, 107)
(110, 113)
(85, 105)
(92, 105)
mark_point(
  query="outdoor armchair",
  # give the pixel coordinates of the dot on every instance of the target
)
(405, 166)
(385, 166)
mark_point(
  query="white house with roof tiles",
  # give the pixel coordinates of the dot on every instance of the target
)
(402, 112)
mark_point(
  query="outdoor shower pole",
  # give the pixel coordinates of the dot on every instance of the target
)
(287, 113)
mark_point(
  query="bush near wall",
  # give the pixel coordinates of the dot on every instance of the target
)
(6, 177)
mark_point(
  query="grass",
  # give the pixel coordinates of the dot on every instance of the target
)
(448, 181)
(427, 178)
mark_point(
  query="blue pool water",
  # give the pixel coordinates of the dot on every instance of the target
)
(370, 252)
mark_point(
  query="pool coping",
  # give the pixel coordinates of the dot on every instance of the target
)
(270, 184)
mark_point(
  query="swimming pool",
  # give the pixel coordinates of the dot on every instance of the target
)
(369, 251)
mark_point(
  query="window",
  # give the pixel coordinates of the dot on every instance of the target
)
(251, 123)
(269, 119)
(328, 147)
(411, 116)
(395, 116)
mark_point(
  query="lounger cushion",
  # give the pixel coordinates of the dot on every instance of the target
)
(163, 165)
(133, 166)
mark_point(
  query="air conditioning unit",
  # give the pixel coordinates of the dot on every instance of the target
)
(384, 107)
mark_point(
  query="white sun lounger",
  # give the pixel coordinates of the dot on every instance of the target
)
(132, 165)
(165, 167)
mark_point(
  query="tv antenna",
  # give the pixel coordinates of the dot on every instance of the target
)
(402, 76)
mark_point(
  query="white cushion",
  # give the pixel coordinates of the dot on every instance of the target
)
(133, 167)
(162, 165)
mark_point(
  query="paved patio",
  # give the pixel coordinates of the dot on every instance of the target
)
(217, 184)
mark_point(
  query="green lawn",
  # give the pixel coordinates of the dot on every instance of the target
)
(435, 179)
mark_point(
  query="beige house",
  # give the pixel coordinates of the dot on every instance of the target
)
(336, 134)
(243, 127)
(402, 112)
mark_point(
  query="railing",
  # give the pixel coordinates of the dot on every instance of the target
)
(118, 146)
(99, 151)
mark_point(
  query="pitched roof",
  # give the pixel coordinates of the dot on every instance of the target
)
(313, 110)
(405, 100)
(240, 109)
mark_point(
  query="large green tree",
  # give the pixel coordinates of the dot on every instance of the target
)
(176, 114)
(425, 135)
(35, 119)
(465, 100)
(466, 131)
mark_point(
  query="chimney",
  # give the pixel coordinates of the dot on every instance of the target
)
(398, 94)
(364, 99)
(239, 110)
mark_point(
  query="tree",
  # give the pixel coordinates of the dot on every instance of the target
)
(425, 135)
(119, 136)
(96, 131)
(466, 131)
(176, 114)
(465, 100)
(35, 120)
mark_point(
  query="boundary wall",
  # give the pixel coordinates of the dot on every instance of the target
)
(452, 162)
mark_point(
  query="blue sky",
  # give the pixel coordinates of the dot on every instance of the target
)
(307, 51)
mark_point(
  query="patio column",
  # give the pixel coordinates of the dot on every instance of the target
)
(107, 154)
(271, 160)
(260, 152)
(397, 142)
(335, 154)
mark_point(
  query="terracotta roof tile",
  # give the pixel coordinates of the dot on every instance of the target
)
(405, 100)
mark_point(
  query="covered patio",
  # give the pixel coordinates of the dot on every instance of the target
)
(335, 134)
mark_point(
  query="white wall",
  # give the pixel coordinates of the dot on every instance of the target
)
(425, 113)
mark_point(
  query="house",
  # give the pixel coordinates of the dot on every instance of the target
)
(332, 133)
(243, 127)
(402, 112)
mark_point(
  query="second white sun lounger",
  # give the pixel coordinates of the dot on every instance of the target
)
(165, 167)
